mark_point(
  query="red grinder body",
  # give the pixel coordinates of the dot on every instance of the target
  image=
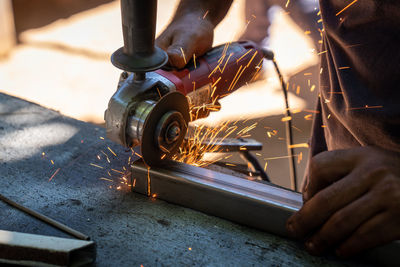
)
(223, 69)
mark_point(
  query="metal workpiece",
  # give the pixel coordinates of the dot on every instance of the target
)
(259, 205)
(37, 250)
(232, 144)
(139, 54)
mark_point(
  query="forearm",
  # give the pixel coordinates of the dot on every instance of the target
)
(213, 11)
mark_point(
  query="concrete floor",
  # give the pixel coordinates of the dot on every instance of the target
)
(129, 229)
(65, 66)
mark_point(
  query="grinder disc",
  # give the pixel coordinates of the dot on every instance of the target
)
(171, 103)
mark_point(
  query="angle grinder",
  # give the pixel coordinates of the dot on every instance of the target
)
(153, 104)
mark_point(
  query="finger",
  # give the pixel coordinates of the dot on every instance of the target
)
(183, 47)
(379, 230)
(328, 167)
(342, 223)
(325, 203)
(177, 55)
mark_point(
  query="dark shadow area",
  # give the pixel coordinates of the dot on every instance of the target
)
(30, 14)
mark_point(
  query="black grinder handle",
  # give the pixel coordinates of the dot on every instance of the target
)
(138, 26)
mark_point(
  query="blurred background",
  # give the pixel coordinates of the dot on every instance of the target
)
(57, 53)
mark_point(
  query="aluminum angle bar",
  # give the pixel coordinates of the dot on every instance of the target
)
(259, 205)
(38, 250)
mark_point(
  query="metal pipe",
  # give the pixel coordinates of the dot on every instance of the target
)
(45, 219)
(259, 205)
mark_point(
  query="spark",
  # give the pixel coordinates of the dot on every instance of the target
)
(298, 89)
(281, 157)
(183, 55)
(251, 59)
(346, 7)
(237, 79)
(215, 69)
(287, 118)
(300, 158)
(54, 174)
(308, 117)
(106, 179)
(101, 137)
(52, 162)
(287, 3)
(189, 248)
(112, 151)
(215, 83)
(311, 111)
(297, 129)
(245, 54)
(226, 62)
(108, 160)
(117, 171)
(205, 14)
(304, 145)
(97, 166)
(344, 68)
(158, 90)
(272, 133)
(194, 60)
(365, 107)
(148, 182)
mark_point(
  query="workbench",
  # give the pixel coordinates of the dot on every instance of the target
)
(129, 229)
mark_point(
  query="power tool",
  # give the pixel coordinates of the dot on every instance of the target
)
(153, 104)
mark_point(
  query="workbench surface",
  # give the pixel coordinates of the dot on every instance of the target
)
(129, 229)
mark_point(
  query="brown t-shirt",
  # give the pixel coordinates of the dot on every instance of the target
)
(360, 81)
